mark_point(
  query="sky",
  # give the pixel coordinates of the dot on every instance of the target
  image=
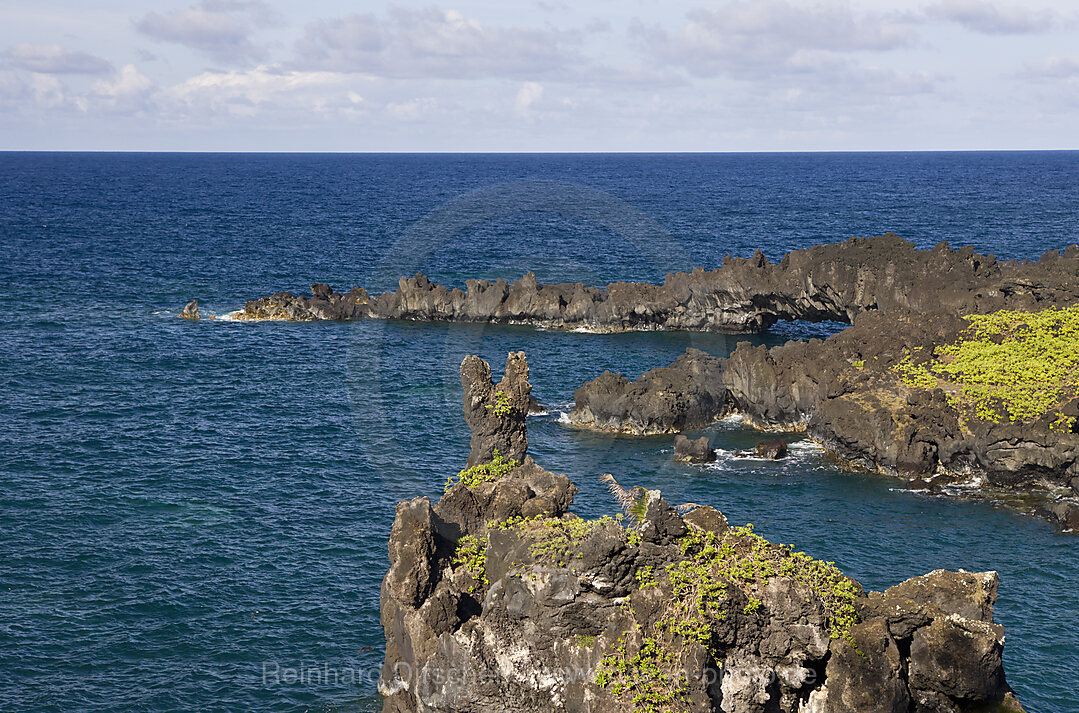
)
(604, 75)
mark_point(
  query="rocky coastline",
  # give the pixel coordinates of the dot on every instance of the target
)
(864, 394)
(498, 598)
(856, 394)
(826, 282)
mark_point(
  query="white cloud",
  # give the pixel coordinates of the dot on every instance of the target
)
(436, 43)
(12, 88)
(54, 59)
(1057, 67)
(48, 91)
(411, 110)
(527, 95)
(761, 39)
(220, 28)
(246, 92)
(130, 92)
(991, 19)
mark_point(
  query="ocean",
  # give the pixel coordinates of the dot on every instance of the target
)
(193, 516)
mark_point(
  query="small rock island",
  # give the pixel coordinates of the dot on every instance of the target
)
(499, 598)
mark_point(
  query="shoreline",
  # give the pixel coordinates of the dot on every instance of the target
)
(863, 393)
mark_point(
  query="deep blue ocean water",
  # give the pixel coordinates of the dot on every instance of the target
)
(188, 511)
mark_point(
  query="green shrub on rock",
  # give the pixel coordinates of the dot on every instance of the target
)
(484, 472)
(1007, 365)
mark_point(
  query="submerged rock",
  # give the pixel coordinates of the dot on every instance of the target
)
(1063, 513)
(497, 598)
(698, 451)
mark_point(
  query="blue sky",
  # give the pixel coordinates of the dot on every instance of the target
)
(771, 75)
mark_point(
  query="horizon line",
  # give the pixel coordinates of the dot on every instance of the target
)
(531, 153)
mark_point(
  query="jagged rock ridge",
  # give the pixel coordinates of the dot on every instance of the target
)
(825, 282)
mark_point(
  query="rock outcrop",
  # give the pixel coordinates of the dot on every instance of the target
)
(688, 394)
(695, 451)
(842, 391)
(496, 414)
(849, 394)
(826, 282)
(322, 305)
(498, 598)
(773, 449)
(191, 311)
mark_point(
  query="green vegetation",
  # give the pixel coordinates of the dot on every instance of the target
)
(696, 596)
(914, 375)
(472, 554)
(646, 578)
(554, 539)
(586, 642)
(650, 676)
(1016, 365)
(483, 473)
(502, 405)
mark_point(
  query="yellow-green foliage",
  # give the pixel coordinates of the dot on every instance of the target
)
(699, 585)
(554, 539)
(646, 578)
(1020, 364)
(915, 374)
(650, 677)
(502, 405)
(472, 554)
(484, 472)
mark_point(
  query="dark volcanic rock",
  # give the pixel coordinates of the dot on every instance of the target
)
(697, 451)
(773, 449)
(191, 310)
(1063, 513)
(496, 414)
(845, 394)
(323, 304)
(688, 394)
(498, 599)
(840, 391)
(864, 674)
(959, 659)
(826, 282)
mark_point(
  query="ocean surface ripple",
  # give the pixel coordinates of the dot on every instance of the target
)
(191, 511)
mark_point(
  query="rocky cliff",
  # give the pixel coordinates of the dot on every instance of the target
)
(886, 394)
(498, 598)
(826, 282)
